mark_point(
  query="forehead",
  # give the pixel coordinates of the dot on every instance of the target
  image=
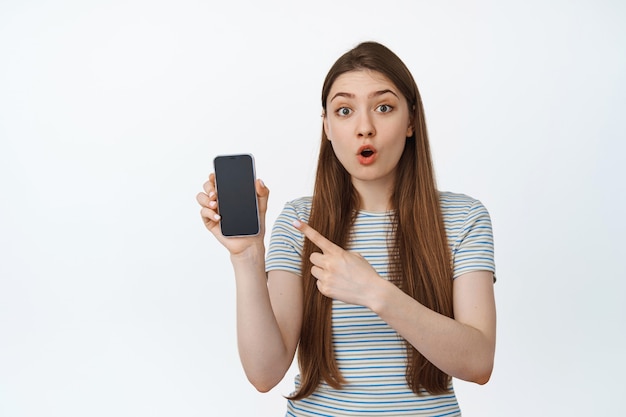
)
(361, 81)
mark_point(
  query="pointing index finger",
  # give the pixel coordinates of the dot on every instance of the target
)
(314, 236)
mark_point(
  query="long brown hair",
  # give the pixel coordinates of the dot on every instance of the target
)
(420, 257)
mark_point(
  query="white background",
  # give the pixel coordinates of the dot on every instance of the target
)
(114, 300)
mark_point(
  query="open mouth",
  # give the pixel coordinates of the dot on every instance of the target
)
(366, 154)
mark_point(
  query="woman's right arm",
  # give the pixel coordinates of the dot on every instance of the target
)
(269, 318)
(269, 306)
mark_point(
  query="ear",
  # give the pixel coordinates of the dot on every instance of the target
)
(409, 129)
(325, 121)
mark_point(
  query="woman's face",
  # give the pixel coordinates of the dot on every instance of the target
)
(367, 120)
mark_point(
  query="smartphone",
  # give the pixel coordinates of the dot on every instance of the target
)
(236, 195)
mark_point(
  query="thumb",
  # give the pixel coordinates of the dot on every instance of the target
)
(262, 193)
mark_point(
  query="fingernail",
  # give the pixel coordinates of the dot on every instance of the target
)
(217, 217)
(211, 194)
(262, 183)
(296, 224)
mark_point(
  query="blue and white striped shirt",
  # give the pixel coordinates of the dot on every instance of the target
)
(371, 355)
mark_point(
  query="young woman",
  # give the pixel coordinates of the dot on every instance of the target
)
(380, 282)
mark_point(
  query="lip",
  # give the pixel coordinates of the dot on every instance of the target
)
(367, 160)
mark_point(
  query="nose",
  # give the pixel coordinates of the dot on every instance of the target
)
(365, 126)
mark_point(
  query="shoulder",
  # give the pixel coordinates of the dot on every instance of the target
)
(464, 217)
(456, 201)
(457, 207)
(301, 203)
(299, 208)
(468, 226)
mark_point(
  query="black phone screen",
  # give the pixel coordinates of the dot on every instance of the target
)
(236, 195)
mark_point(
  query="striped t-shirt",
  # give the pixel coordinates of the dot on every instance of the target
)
(371, 355)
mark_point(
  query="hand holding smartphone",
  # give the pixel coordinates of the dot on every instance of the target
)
(236, 195)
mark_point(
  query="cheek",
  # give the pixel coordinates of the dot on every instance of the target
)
(339, 148)
(333, 130)
(399, 142)
(336, 130)
(342, 151)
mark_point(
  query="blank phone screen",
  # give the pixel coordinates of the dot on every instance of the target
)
(236, 195)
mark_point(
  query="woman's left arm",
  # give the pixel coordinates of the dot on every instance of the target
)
(463, 347)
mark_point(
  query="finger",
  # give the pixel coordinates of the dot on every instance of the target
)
(263, 194)
(314, 236)
(205, 201)
(209, 186)
(317, 272)
(209, 217)
(317, 259)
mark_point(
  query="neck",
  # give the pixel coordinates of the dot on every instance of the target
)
(374, 196)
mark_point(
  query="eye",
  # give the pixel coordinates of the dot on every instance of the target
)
(384, 108)
(343, 111)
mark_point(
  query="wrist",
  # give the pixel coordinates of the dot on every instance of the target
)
(251, 254)
(384, 295)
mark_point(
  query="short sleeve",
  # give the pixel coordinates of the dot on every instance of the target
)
(286, 242)
(472, 247)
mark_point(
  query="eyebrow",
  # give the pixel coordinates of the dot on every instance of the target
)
(374, 94)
